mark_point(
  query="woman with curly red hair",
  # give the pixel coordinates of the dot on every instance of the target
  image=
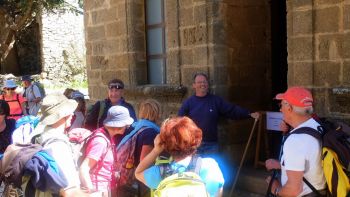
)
(180, 137)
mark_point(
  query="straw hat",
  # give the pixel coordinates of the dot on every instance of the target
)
(55, 107)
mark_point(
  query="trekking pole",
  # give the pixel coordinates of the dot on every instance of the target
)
(274, 176)
(243, 157)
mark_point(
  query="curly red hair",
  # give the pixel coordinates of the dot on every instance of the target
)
(181, 136)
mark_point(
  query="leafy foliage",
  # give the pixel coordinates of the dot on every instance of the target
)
(19, 14)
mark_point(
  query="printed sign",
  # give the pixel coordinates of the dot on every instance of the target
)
(273, 120)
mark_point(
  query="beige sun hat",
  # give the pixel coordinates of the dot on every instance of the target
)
(55, 107)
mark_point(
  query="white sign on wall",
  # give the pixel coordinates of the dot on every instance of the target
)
(273, 120)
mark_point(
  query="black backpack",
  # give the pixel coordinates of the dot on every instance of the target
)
(335, 139)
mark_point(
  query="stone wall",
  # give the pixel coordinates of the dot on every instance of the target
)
(231, 46)
(241, 64)
(63, 46)
(319, 52)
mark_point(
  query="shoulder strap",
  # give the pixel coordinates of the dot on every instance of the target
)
(32, 87)
(311, 187)
(102, 135)
(100, 112)
(316, 134)
(195, 164)
(130, 135)
(307, 130)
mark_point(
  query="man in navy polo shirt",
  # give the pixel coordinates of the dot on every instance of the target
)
(205, 109)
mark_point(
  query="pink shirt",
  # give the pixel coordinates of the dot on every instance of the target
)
(101, 175)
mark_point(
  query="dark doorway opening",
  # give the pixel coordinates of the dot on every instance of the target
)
(278, 47)
(279, 65)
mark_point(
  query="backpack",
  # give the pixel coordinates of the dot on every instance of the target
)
(125, 166)
(40, 87)
(28, 166)
(80, 149)
(182, 183)
(24, 127)
(335, 138)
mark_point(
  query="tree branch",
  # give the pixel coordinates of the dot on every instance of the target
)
(7, 45)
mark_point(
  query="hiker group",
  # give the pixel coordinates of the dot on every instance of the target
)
(106, 150)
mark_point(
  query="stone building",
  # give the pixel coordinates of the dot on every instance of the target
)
(251, 49)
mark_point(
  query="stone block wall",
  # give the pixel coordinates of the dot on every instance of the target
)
(228, 40)
(319, 52)
(63, 48)
(241, 65)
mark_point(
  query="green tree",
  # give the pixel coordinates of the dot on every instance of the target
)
(16, 15)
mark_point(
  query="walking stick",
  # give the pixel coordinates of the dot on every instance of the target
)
(268, 192)
(243, 157)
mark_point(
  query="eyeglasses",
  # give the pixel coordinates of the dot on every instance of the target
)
(117, 86)
(9, 88)
(201, 82)
(282, 103)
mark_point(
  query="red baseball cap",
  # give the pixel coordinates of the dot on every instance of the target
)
(297, 96)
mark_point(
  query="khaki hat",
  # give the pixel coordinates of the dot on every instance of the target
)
(55, 107)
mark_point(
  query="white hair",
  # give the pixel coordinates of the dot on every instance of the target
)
(303, 110)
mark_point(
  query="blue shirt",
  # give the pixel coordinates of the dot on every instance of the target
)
(205, 112)
(210, 173)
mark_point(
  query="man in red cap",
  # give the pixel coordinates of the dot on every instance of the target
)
(301, 153)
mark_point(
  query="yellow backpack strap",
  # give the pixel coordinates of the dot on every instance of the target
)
(161, 160)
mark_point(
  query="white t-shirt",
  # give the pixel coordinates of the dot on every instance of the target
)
(302, 152)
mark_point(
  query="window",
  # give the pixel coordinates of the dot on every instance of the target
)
(155, 41)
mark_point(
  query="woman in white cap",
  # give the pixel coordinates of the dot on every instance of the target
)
(15, 101)
(96, 170)
(57, 113)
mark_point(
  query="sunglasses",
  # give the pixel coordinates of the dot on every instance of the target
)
(9, 88)
(116, 86)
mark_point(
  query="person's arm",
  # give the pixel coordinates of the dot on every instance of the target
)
(183, 111)
(23, 107)
(146, 141)
(84, 174)
(293, 186)
(37, 94)
(231, 110)
(271, 164)
(220, 192)
(149, 160)
(73, 192)
(146, 149)
(132, 113)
